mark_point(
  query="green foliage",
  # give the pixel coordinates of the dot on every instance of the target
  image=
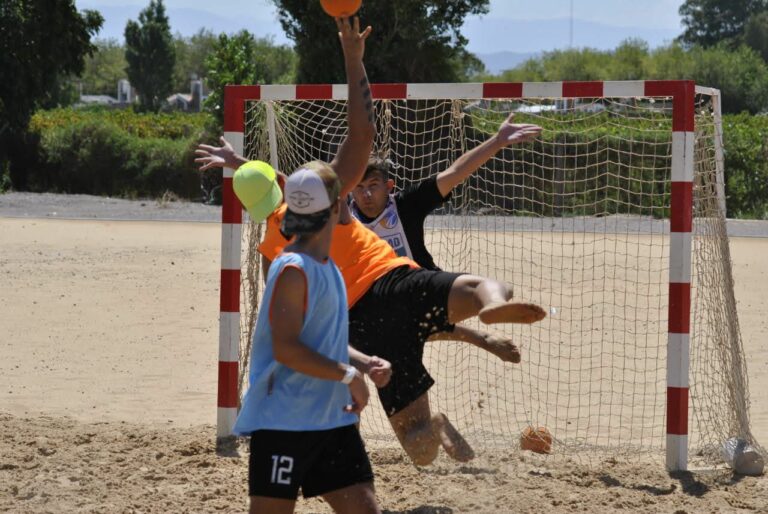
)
(412, 40)
(709, 22)
(40, 43)
(740, 74)
(190, 57)
(104, 68)
(150, 55)
(580, 176)
(756, 34)
(628, 62)
(163, 125)
(243, 59)
(116, 153)
(587, 165)
(586, 64)
(122, 153)
(64, 92)
(746, 165)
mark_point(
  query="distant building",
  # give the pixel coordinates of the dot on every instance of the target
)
(192, 102)
(98, 100)
(125, 93)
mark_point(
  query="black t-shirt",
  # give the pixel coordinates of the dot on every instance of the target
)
(413, 206)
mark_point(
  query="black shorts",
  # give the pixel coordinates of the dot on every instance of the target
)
(393, 320)
(317, 461)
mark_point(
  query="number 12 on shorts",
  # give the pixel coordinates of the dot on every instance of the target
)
(282, 465)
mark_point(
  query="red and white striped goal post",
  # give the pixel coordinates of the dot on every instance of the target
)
(682, 93)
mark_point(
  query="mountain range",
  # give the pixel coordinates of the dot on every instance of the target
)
(500, 43)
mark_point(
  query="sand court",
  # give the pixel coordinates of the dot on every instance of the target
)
(110, 324)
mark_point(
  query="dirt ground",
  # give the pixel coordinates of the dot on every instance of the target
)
(108, 378)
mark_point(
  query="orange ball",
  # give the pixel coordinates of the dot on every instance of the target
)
(341, 8)
(537, 440)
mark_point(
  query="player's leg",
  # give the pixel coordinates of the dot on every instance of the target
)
(491, 300)
(502, 347)
(264, 505)
(341, 473)
(421, 434)
(275, 469)
(393, 320)
(354, 499)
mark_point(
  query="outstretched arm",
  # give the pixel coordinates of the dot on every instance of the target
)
(509, 134)
(349, 163)
(218, 156)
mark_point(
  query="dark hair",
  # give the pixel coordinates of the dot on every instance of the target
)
(377, 163)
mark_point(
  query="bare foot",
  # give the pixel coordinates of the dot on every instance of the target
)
(511, 312)
(502, 348)
(452, 441)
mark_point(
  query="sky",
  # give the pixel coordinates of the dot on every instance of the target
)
(510, 25)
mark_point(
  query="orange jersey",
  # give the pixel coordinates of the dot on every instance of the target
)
(362, 257)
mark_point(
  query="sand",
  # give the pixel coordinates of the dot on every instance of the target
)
(108, 378)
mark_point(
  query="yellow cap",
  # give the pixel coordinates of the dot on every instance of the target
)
(255, 184)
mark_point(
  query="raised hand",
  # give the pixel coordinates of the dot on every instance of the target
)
(352, 40)
(516, 133)
(216, 156)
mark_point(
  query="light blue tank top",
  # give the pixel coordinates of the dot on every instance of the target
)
(280, 398)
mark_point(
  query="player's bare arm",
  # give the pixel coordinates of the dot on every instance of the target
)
(349, 163)
(509, 134)
(286, 317)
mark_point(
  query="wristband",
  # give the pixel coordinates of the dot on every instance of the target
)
(349, 375)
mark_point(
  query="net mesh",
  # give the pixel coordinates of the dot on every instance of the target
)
(576, 222)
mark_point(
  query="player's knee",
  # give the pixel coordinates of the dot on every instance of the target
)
(490, 286)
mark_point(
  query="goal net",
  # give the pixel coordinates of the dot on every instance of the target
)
(582, 222)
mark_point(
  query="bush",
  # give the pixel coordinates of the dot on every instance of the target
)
(746, 165)
(163, 125)
(740, 73)
(116, 153)
(636, 148)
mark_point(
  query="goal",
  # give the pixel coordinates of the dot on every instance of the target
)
(614, 220)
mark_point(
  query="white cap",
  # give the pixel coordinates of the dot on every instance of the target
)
(305, 192)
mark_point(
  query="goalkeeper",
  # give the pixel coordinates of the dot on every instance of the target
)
(398, 218)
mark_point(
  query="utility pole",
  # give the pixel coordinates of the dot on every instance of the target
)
(570, 37)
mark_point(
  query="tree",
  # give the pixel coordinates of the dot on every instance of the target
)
(629, 60)
(740, 75)
(708, 22)
(190, 57)
(104, 68)
(41, 43)
(243, 59)
(572, 64)
(756, 34)
(413, 40)
(150, 55)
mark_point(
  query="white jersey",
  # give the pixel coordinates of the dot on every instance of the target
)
(387, 226)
